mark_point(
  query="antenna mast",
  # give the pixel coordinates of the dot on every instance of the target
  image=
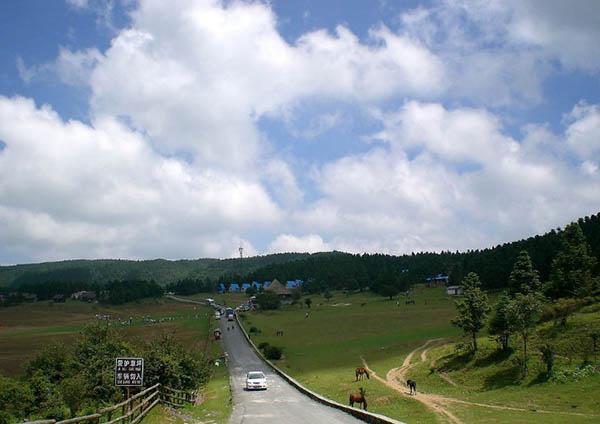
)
(241, 249)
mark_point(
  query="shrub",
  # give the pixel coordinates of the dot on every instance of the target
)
(267, 300)
(273, 352)
(16, 398)
(566, 375)
(254, 330)
(263, 345)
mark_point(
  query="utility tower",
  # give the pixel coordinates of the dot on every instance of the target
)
(241, 249)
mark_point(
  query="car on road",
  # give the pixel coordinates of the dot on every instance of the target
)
(256, 380)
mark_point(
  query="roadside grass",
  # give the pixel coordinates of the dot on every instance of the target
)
(322, 351)
(215, 405)
(161, 414)
(26, 329)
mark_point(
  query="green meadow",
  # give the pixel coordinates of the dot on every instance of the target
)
(323, 350)
(28, 328)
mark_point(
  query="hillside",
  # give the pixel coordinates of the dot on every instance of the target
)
(161, 270)
(336, 270)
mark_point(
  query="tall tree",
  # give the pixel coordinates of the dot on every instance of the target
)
(571, 273)
(523, 277)
(522, 313)
(472, 308)
(499, 325)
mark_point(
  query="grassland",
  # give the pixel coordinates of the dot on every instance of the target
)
(322, 351)
(26, 329)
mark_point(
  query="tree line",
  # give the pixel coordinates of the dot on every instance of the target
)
(386, 273)
(114, 292)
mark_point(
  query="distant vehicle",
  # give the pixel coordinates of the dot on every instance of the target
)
(210, 301)
(170, 294)
(256, 380)
(217, 315)
(229, 317)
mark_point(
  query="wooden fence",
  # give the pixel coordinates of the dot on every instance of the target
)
(132, 410)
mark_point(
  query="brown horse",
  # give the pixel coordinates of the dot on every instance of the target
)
(359, 398)
(360, 372)
(412, 385)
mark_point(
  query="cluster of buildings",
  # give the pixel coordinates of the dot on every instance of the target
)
(274, 286)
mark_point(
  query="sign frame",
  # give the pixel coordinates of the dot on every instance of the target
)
(129, 372)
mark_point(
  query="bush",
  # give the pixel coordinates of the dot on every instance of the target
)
(567, 375)
(262, 346)
(167, 362)
(267, 300)
(273, 352)
(16, 397)
(254, 330)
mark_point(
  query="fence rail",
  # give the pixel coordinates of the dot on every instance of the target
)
(132, 410)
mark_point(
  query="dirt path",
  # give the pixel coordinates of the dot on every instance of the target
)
(396, 377)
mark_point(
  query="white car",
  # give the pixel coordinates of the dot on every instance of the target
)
(256, 380)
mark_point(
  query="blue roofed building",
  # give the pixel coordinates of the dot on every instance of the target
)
(440, 280)
(221, 288)
(294, 284)
(257, 285)
(234, 287)
(246, 286)
(266, 284)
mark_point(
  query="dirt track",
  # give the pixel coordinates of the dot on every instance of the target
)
(396, 378)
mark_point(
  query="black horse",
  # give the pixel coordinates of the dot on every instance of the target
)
(412, 385)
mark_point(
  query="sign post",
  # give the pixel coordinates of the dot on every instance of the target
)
(129, 372)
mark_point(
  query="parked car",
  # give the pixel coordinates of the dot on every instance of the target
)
(256, 380)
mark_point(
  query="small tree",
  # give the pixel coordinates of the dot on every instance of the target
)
(499, 325)
(472, 308)
(523, 278)
(296, 295)
(571, 272)
(327, 295)
(267, 300)
(548, 352)
(72, 390)
(390, 291)
(522, 313)
(308, 302)
(595, 338)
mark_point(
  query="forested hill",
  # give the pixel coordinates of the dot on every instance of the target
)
(326, 270)
(377, 271)
(160, 270)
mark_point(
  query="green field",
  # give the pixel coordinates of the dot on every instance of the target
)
(323, 350)
(26, 329)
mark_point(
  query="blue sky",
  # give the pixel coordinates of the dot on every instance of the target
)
(141, 129)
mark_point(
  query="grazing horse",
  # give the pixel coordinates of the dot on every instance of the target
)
(359, 398)
(279, 333)
(412, 385)
(360, 372)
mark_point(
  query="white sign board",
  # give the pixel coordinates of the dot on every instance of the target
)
(129, 372)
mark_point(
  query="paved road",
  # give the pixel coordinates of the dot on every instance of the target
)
(280, 403)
